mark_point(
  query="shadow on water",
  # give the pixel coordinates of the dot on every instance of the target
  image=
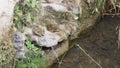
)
(100, 44)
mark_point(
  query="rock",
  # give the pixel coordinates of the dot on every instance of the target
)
(62, 19)
(54, 1)
(56, 23)
(63, 27)
(55, 6)
(52, 55)
(63, 35)
(49, 39)
(19, 43)
(38, 30)
(28, 30)
(46, 39)
(19, 39)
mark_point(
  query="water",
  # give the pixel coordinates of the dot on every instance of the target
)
(101, 44)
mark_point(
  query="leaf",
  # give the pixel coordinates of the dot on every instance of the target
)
(33, 3)
(33, 65)
(19, 13)
(42, 11)
(17, 8)
(28, 0)
(23, 66)
(18, 24)
(28, 16)
(15, 17)
(30, 46)
(100, 3)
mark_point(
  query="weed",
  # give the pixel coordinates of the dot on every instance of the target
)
(30, 46)
(23, 12)
(34, 59)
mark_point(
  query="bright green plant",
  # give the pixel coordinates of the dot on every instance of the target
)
(100, 6)
(34, 60)
(30, 46)
(23, 13)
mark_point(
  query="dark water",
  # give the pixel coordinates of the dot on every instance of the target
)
(100, 44)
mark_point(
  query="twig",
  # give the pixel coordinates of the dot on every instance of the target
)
(111, 14)
(14, 64)
(89, 56)
(59, 61)
(55, 54)
(62, 59)
(118, 32)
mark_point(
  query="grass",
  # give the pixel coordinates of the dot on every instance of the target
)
(34, 59)
(23, 12)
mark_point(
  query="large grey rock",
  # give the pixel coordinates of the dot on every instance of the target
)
(57, 22)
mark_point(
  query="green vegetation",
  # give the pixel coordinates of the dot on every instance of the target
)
(23, 12)
(34, 59)
(30, 46)
(94, 8)
(101, 4)
(98, 7)
(23, 16)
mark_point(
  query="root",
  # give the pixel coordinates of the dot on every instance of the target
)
(59, 60)
(88, 55)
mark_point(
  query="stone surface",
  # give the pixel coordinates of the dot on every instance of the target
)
(49, 39)
(19, 44)
(71, 28)
(54, 54)
(56, 19)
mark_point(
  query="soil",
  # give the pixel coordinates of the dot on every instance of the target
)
(101, 44)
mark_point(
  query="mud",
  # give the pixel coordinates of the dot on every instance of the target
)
(100, 43)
